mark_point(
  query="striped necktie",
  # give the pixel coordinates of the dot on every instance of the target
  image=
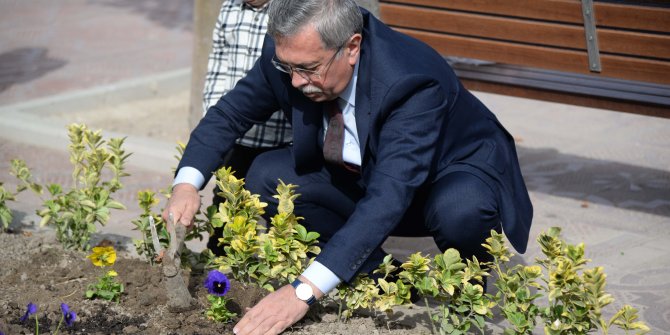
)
(332, 144)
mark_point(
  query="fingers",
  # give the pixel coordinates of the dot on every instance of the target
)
(278, 328)
(188, 214)
(271, 326)
(183, 204)
(248, 323)
(273, 314)
(260, 324)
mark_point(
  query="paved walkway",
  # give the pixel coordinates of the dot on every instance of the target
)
(604, 177)
(48, 47)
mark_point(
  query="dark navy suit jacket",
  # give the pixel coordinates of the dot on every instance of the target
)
(415, 123)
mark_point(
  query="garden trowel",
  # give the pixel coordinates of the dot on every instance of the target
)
(179, 298)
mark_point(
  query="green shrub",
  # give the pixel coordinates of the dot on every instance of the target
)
(269, 257)
(6, 214)
(558, 292)
(75, 213)
(20, 171)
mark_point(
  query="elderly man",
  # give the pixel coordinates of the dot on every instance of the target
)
(386, 142)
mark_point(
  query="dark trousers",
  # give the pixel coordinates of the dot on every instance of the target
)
(458, 210)
(239, 159)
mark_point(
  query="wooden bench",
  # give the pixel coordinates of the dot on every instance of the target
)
(613, 55)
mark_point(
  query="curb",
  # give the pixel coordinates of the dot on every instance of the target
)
(25, 122)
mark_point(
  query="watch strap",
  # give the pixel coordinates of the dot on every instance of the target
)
(311, 300)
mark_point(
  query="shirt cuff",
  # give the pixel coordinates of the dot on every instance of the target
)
(189, 175)
(324, 279)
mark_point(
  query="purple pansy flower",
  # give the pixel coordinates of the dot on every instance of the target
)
(30, 310)
(68, 315)
(217, 283)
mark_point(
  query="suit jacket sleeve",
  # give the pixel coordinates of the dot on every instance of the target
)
(251, 101)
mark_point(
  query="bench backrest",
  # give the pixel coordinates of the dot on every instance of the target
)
(626, 47)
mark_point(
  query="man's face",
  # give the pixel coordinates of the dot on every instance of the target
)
(256, 3)
(333, 72)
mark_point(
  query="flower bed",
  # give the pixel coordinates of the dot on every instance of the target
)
(136, 296)
(35, 268)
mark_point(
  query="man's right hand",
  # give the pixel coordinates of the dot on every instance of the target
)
(183, 204)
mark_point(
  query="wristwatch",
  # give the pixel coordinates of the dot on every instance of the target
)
(304, 292)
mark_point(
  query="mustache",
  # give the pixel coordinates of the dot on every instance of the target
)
(307, 89)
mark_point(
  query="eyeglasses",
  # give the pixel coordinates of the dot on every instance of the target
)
(306, 74)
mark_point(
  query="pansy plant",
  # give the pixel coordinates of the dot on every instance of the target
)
(107, 287)
(68, 316)
(218, 285)
(31, 309)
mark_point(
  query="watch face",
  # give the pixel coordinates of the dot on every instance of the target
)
(304, 292)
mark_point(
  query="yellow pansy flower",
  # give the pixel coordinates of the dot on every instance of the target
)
(103, 256)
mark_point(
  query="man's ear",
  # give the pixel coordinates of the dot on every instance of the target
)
(353, 48)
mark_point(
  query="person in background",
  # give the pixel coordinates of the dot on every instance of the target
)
(386, 142)
(236, 44)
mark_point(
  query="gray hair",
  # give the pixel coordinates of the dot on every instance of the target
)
(335, 20)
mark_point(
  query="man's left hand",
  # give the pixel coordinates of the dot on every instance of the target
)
(274, 313)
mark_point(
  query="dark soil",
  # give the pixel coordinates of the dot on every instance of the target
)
(35, 268)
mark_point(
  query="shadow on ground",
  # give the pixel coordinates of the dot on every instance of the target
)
(26, 64)
(596, 181)
(174, 14)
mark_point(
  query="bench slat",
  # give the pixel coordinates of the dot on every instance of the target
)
(634, 43)
(524, 31)
(635, 17)
(544, 57)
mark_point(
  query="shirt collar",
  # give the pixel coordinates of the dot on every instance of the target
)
(349, 93)
(243, 4)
